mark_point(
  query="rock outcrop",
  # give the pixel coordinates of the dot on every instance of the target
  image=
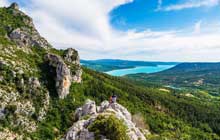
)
(26, 35)
(10, 102)
(71, 56)
(24, 88)
(64, 76)
(88, 113)
(14, 6)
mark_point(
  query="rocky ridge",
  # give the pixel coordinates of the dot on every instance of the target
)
(88, 113)
(26, 36)
(24, 57)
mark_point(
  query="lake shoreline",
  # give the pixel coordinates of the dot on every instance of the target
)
(139, 69)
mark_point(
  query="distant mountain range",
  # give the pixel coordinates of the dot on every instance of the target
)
(104, 65)
(205, 76)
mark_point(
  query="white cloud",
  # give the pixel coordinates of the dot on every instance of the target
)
(197, 27)
(190, 4)
(3, 3)
(85, 25)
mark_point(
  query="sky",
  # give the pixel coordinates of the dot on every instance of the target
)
(150, 30)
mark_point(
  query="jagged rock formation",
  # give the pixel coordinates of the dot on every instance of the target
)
(71, 56)
(64, 77)
(14, 6)
(22, 37)
(26, 35)
(79, 130)
(24, 88)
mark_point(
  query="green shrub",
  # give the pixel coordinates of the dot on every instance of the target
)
(110, 126)
(11, 108)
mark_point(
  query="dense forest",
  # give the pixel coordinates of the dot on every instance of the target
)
(167, 113)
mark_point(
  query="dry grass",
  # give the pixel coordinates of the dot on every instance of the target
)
(139, 121)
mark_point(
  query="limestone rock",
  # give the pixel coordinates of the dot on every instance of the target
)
(89, 108)
(14, 6)
(6, 134)
(22, 110)
(104, 105)
(63, 75)
(79, 130)
(44, 109)
(28, 37)
(2, 113)
(76, 77)
(71, 56)
(34, 82)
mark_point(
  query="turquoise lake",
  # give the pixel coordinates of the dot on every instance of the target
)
(141, 69)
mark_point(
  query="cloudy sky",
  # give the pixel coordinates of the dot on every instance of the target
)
(153, 30)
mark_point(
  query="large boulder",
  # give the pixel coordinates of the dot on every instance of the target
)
(89, 108)
(89, 112)
(71, 56)
(79, 132)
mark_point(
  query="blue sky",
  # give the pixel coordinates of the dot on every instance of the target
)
(152, 30)
(143, 14)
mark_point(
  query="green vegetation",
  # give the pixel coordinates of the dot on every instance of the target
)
(191, 76)
(10, 19)
(104, 68)
(109, 126)
(168, 113)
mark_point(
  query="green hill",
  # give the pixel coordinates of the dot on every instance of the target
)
(41, 87)
(203, 76)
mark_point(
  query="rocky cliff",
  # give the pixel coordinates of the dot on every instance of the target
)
(25, 35)
(35, 79)
(27, 81)
(64, 77)
(89, 113)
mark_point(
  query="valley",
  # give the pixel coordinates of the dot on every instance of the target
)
(188, 76)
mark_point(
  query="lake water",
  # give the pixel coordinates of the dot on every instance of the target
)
(142, 69)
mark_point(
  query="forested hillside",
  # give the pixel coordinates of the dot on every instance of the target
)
(193, 76)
